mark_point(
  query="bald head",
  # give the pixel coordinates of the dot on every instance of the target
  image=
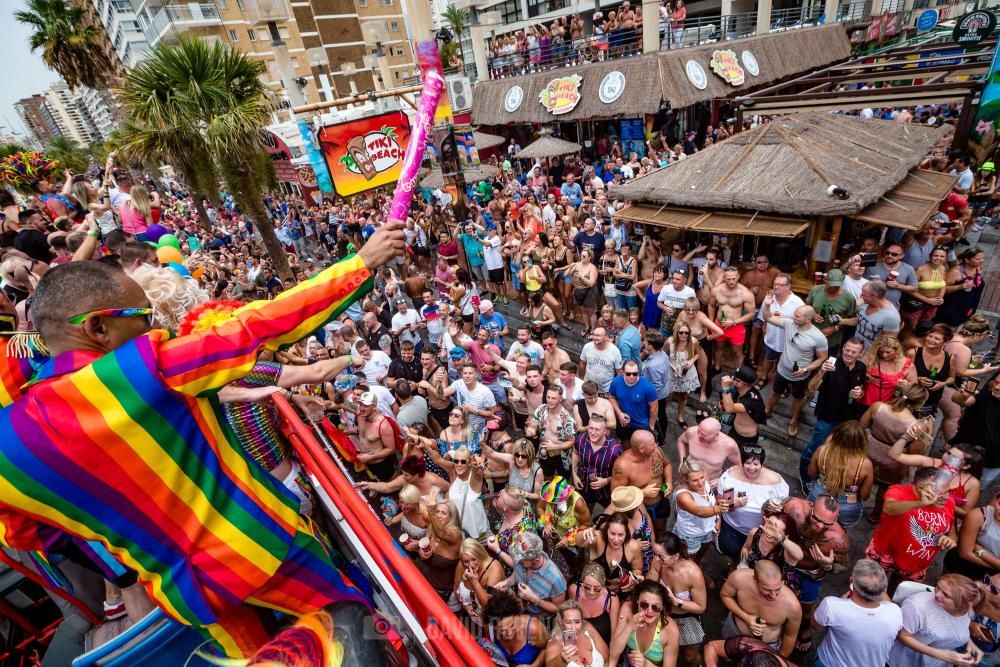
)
(709, 428)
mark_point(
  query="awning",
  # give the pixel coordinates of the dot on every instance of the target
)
(912, 202)
(715, 222)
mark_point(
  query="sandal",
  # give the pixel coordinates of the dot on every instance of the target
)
(793, 429)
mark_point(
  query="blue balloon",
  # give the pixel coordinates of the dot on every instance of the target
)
(179, 268)
(154, 232)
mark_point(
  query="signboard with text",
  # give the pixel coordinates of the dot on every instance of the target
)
(365, 153)
(561, 95)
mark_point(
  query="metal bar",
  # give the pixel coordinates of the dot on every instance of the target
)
(355, 99)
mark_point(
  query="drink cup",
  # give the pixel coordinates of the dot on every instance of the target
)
(819, 278)
(403, 539)
(425, 545)
(894, 275)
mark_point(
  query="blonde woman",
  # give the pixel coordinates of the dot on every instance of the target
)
(886, 423)
(441, 552)
(888, 367)
(137, 212)
(96, 201)
(171, 293)
(703, 328)
(599, 606)
(966, 364)
(842, 469)
(413, 517)
(477, 572)
(682, 355)
(698, 509)
(576, 642)
(525, 472)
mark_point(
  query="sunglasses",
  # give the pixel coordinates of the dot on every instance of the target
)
(753, 450)
(988, 580)
(631, 374)
(683, 333)
(521, 456)
(592, 589)
(460, 462)
(656, 607)
(893, 254)
(819, 520)
(148, 313)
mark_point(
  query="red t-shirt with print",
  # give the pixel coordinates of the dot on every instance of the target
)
(910, 539)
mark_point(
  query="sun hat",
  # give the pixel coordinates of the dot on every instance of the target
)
(626, 498)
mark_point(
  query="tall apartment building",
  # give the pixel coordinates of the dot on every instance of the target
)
(37, 119)
(136, 26)
(70, 114)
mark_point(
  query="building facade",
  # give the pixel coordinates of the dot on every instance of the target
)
(37, 120)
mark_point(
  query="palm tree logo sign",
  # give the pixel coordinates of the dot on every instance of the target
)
(372, 153)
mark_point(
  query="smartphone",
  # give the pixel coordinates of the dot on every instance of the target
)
(869, 259)
(569, 636)
(951, 224)
(727, 496)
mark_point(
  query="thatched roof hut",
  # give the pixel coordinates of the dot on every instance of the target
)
(787, 166)
(652, 81)
(435, 178)
(548, 146)
(484, 140)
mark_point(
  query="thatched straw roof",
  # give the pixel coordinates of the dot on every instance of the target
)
(786, 167)
(485, 140)
(655, 80)
(548, 146)
(435, 179)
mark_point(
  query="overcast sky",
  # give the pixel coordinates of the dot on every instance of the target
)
(24, 73)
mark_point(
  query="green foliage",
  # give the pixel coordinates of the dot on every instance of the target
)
(457, 19)
(10, 149)
(450, 52)
(71, 155)
(71, 44)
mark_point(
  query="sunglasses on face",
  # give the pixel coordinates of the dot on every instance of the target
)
(820, 521)
(460, 462)
(592, 589)
(988, 580)
(148, 313)
(520, 456)
(655, 606)
(753, 450)
(631, 374)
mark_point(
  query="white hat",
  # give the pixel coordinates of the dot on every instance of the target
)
(485, 306)
(368, 398)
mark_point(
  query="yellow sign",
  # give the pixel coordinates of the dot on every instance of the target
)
(727, 66)
(561, 95)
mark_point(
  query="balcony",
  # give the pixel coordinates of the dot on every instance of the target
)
(171, 20)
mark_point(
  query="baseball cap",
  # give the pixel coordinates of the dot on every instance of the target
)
(368, 398)
(746, 374)
(834, 277)
(399, 300)
(456, 352)
(485, 306)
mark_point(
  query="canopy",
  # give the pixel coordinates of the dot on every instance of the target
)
(435, 179)
(548, 146)
(485, 140)
(912, 202)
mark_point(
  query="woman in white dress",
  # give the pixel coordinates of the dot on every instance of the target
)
(466, 473)
(682, 354)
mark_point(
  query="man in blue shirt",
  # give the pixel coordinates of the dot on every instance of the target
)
(571, 189)
(634, 401)
(629, 338)
(657, 371)
(493, 322)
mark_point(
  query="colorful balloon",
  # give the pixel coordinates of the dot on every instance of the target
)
(155, 232)
(167, 254)
(179, 268)
(169, 240)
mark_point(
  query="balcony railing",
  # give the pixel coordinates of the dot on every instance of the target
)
(193, 13)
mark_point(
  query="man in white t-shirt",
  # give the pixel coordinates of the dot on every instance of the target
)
(860, 630)
(405, 324)
(600, 361)
(854, 277)
(493, 259)
(376, 362)
(671, 300)
(524, 345)
(784, 303)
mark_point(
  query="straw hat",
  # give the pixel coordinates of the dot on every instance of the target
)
(626, 498)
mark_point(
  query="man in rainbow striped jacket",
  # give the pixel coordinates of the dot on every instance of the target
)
(117, 439)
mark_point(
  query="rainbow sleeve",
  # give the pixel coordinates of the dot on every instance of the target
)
(202, 362)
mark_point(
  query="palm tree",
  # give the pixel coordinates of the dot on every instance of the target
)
(195, 104)
(458, 20)
(10, 149)
(69, 152)
(70, 41)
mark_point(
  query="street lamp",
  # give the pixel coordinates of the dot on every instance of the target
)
(319, 60)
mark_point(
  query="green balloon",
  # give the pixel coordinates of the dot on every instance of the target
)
(169, 240)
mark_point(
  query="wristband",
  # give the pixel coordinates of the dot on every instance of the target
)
(94, 234)
(350, 360)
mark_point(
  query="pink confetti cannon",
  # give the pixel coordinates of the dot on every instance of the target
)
(430, 69)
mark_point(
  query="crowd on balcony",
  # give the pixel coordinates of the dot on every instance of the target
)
(568, 41)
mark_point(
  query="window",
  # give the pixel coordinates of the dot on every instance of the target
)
(394, 26)
(388, 3)
(233, 36)
(221, 4)
(362, 3)
(252, 35)
(264, 34)
(241, 4)
(510, 11)
(399, 51)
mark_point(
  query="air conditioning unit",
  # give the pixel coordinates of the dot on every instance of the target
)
(459, 92)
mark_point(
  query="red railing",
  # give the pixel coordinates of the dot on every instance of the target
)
(448, 640)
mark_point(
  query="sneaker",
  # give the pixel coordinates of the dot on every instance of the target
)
(114, 610)
(978, 227)
(964, 241)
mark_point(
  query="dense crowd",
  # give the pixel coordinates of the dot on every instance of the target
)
(561, 505)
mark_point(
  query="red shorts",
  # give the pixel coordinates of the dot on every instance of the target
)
(735, 335)
(889, 565)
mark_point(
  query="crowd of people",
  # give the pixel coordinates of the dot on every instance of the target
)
(563, 506)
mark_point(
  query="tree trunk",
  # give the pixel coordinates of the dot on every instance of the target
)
(254, 207)
(203, 219)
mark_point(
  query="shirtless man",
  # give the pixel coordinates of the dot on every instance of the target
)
(593, 404)
(826, 547)
(758, 280)
(435, 373)
(736, 307)
(761, 606)
(554, 357)
(643, 465)
(711, 273)
(551, 424)
(376, 439)
(708, 444)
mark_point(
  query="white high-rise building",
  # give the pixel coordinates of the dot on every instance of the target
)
(70, 114)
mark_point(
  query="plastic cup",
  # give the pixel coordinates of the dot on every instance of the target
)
(403, 539)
